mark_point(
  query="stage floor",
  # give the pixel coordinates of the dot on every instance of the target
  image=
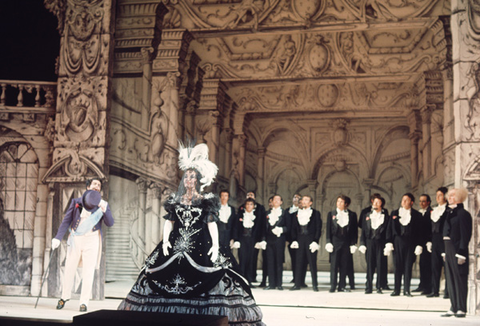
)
(279, 308)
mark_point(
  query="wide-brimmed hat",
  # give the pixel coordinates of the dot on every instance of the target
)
(91, 199)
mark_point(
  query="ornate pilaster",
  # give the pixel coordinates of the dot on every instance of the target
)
(142, 185)
(155, 222)
(261, 174)
(414, 135)
(426, 115)
(80, 146)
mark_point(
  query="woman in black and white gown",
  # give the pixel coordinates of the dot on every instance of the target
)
(188, 272)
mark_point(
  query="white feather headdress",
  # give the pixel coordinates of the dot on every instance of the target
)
(196, 157)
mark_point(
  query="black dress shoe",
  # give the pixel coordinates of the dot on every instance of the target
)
(387, 288)
(460, 314)
(331, 290)
(407, 294)
(426, 293)
(304, 285)
(263, 284)
(433, 295)
(394, 294)
(315, 289)
(448, 314)
(280, 288)
(368, 291)
(292, 281)
(83, 308)
(379, 291)
(446, 296)
(61, 304)
(295, 288)
(269, 287)
(344, 290)
(419, 289)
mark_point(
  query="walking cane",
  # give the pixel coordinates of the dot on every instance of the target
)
(44, 277)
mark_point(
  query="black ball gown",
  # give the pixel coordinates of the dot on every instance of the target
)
(186, 281)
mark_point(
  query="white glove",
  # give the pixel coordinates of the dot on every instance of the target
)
(55, 243)
(294, 245)
(236, 245)
(329, 247)
(314, 246)
(362, 249)
(103, 205)
(214, 252)
(353, 249)
(418, 250)
(429, 246)
(277, 231)
(165, 247)
(388, 249)
(261, 245)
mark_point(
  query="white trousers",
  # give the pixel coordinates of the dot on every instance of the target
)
(85, 247)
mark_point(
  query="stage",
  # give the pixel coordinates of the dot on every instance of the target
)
(279, 308)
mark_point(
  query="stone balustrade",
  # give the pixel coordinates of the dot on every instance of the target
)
(27, 95)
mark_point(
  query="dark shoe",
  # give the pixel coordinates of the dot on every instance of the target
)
(304, 285)
(460, 314)
(315, 289)
(292, 281)
(433, 295)
(343, 290)
(446, 296)
(379, 291)
(407, 294)
(295, 288)
(269, 288)
(61, 304)
(419, 289)
(352, 287)
(83, 308)
(426, 293)
(331, 290)
(387, 288)
(262, 285)
(280, 288)
(394, 294)
(368, 291)
(448, 314)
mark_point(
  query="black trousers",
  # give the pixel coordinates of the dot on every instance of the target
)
(438, 247)
(245, 256)
(304, 256)
(425, 270)
(457, 279)
(374, 262)
(404, 257)
(293, 259)
(275, 257)
(339, 259)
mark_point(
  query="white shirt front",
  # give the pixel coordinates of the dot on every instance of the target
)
(274, 215)
(377, 219)
(405, 216)
(438, 212)
(342, 218)
(248, 219)
(224, 213)
(304, 216)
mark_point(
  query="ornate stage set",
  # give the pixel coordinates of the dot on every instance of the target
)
(319, 97)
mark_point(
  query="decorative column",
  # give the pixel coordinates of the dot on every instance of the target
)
(414, 135)
(142, 185)
(243, 140)
(312, 190)
(261, 174)
(426, 114)
(82, 122)
(147, 56)
(156, 220)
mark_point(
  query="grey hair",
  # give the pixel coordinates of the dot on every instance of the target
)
(461, 194)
